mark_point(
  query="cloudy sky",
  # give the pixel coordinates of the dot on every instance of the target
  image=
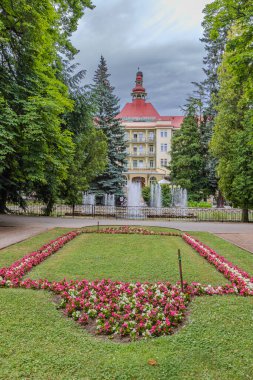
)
(159, 36)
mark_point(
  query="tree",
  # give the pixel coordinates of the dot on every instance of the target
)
(209, 87)
(107, 109)
(90, 155)
(233, 124)
(232, 141)
(36, 150)
(187, 164)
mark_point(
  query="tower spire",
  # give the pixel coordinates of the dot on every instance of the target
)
(139, 91)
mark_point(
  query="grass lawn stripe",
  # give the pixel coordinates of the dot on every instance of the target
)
(126, 258)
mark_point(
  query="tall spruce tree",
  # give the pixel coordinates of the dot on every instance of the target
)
(187, 163)
(107, 109)
(90, 152)
(214, 49)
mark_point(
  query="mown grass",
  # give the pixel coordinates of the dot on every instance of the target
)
(126, 258)
(14, 252)
(38, 343)
(243, 259)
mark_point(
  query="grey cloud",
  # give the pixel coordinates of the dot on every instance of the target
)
(168, 68)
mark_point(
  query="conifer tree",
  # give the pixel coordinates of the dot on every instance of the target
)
(107, 109)
(90, 143)
(187, 163)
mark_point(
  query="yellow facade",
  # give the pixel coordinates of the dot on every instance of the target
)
(148, 147)
(148, 137)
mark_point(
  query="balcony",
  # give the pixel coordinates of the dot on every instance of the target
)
(141, 140)
(138, 168)
(141, 154)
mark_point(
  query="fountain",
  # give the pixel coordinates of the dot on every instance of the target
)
(134, 200)
(109, 200)
(179, 197)
(155, 195)
(89, 199)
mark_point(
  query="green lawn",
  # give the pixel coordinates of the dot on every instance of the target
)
(38, 343)
(126, 258)
(14, 252)
(243, 259)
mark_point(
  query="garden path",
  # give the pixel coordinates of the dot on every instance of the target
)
(14, 228)
(242, 240)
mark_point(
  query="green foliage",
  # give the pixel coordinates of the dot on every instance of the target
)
(166, 195)
(36, 150)
(187, 163)
(90, 155)
(107, 109)
(199, 204)
(232, 140)
(146, 195)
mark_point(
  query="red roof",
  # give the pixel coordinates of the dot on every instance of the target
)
(139, 108)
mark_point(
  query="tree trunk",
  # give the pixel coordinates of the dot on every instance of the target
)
(245, 215)
(3, 201)
(49, 208)
(220, 200)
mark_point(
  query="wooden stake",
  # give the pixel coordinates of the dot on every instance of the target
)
(180, 270)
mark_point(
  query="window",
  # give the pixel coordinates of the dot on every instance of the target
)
(151, 136)
(152, 180)
(164, 133)
(151, 148)
(135, 149)
(164, 162)
(135, 163)
(135, 136)
(164, 147)
(151, 163)
(141, 149)
(141, 136)
(141, 164)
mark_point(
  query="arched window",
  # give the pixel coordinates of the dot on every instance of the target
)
(152, 180)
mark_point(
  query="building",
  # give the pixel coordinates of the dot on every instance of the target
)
(148, 137)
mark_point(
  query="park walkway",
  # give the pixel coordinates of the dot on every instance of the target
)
(15, 228)
(242, 240)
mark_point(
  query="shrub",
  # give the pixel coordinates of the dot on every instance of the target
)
(166, 195)
(199, 204)
(146, 194)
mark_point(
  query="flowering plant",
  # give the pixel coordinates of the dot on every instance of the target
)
(237, 276)
(129, 230)
(20, 267)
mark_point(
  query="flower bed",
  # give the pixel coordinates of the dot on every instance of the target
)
(124, 309)
(133, 310)
(237, 276)
(20, 267)
(129, 230)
